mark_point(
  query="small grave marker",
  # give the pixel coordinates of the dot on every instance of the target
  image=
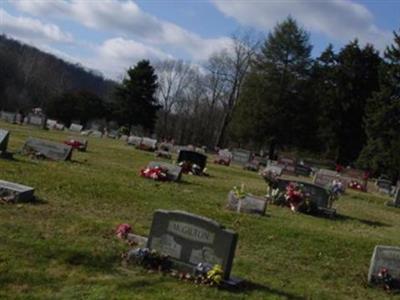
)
(14, 192)
(174, 172)
(241, 156)
(75, 127)
(249, 204)
(384, 257)
(50, 150)
(189, 239)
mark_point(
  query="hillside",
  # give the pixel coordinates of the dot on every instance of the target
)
(63, 247)
(29, 77)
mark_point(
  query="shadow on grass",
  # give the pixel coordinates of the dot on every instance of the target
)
(363, 221)
(38, 201)
(90, 261)
(248, 286)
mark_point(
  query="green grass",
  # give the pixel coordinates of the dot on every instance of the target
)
(63, 247)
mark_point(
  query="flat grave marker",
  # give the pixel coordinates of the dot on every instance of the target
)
(15, 192)
(189, 239)
(384, 257)
(249, 204)
(49, 149)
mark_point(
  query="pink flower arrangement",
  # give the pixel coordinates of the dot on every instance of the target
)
(156, 173)
(294, 196)
(123, 230)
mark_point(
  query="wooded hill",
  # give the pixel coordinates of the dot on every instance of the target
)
(30, 77)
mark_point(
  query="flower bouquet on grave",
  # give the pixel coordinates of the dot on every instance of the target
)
(207, 274)
(273, 193)
(123, 230)
(294, 196)
(156, 173)
(387, 281)
(149, 259)
(190, 168)
(355, 185)
(75, 144)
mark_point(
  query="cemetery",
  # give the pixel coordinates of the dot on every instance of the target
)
(202, 230)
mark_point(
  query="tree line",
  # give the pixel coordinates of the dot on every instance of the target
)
(259, 93)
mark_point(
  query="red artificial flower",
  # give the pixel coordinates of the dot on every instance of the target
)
(123, 230)
(156, 173)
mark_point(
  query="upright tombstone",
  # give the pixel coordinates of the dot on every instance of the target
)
(148, 144)
(134, 140)
(174, 172)
(113, 134)
(4, 136)
(224, 157)
(48, 149)
(249, 204)
(324, 177)
(8, 116)
(96, 133)
(289, 165)
(320, 196)
(51, 124)
(277, 170)
(189, 239)
(303, 170)
(165, 150)
(75, 127)
(193, 157)
(384, 186)
(241, 156)
(14, 192)
(36, 120)
(384, 257)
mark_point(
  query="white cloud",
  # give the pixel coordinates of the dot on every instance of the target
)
(126, 19)
(114, 56)
(31, 30)
(342, 20)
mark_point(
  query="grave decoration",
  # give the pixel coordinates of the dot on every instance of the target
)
(39, 148)
(240, 201)
(354, 179)
(78, 144)
(11, 192)
(224, 157)
(241, 156)
(192, 162)
(162, 171)
(304, 197)
(384, 269)
(4, 137)
(190, 247)
(164, 150)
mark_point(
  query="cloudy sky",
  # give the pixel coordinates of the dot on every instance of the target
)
(110, 35)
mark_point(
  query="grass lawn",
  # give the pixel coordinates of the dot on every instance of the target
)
(63, 247)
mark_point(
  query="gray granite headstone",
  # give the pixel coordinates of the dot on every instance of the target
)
(8, 116)
(148, 144)
(21, 192)
(249, 204)
(241, 156)
(48, 149)
(384, 186)
(174, 172)
(276, 169)
(303, 170)
(75, 127)
(190, 239)
(318, 195)
(134, 140)
(384, 257)
(4, 136)
(289, 165)
(36, 120)
(324, 177)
